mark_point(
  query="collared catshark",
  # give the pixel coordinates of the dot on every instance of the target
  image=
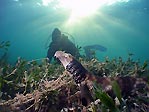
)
(82, 77)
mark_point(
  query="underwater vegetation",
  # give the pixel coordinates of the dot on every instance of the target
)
(44, 87)
(4, 45)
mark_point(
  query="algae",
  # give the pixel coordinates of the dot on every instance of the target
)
(43, 87)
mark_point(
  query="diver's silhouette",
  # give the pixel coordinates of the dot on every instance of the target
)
(89, 50)
(61, 42)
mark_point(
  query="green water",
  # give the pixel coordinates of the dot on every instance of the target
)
(122, 27)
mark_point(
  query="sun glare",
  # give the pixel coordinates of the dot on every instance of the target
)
(81, 8)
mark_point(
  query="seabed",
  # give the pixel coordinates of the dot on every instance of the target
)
(43, 87)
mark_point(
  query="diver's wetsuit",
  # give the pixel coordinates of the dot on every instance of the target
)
(61, 42)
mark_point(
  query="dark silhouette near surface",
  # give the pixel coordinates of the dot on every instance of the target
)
(61, 42)
(89, 50)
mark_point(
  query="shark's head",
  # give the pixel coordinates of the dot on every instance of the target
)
(65, 58)
(72, 66)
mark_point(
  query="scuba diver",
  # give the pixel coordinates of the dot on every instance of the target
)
(90, 50)
(61, 42)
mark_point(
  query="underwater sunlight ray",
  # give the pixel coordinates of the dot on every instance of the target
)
(80, 8)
